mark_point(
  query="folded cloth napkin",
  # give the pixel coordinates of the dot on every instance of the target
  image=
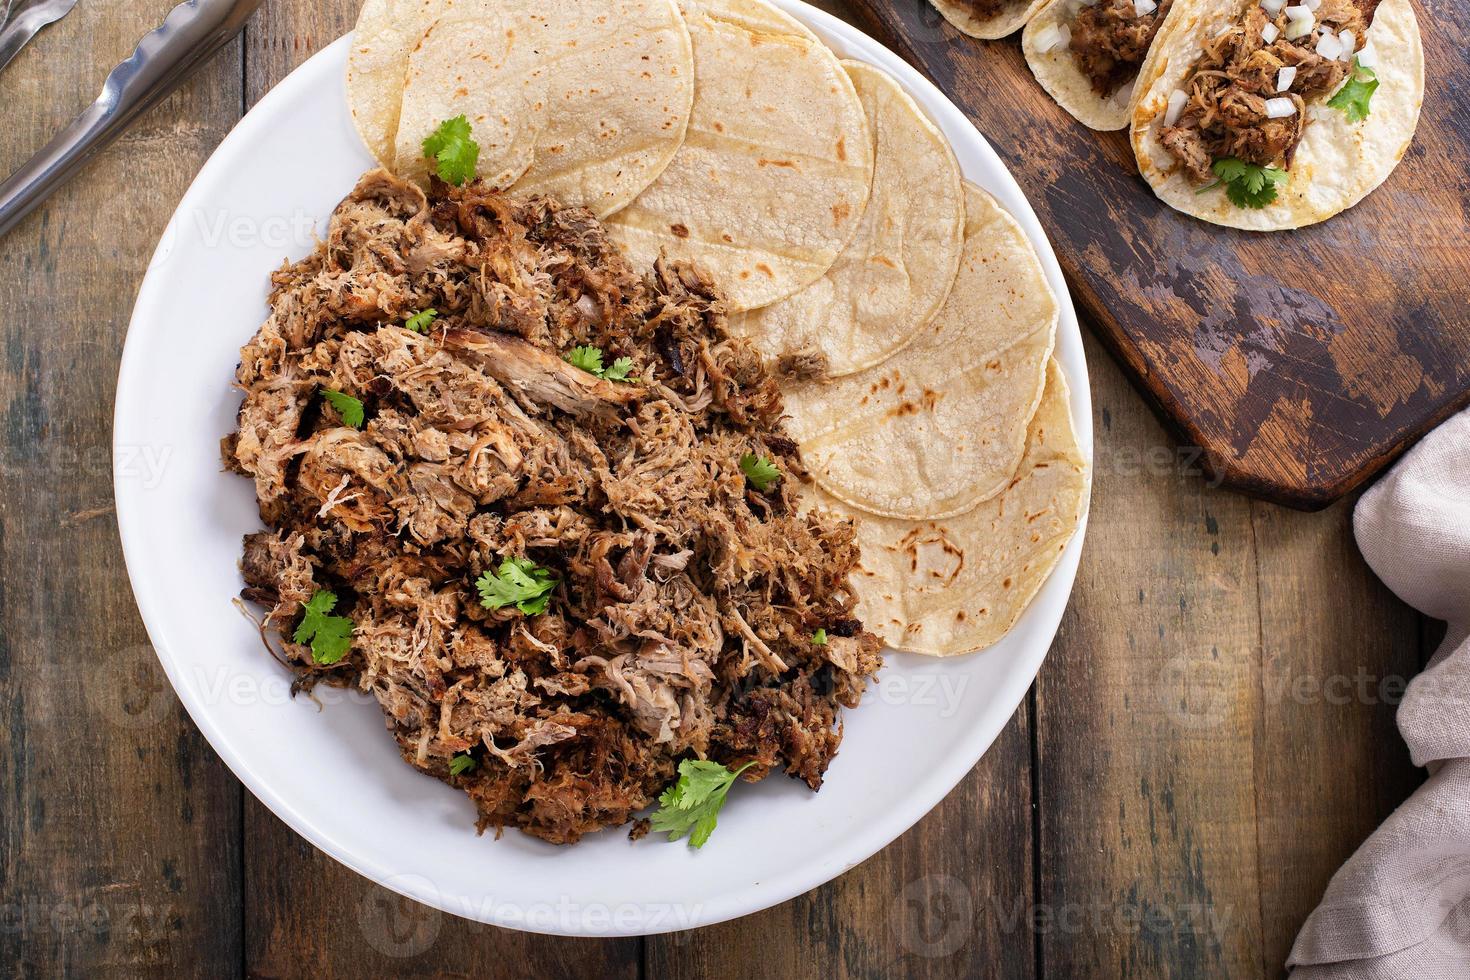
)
(1400, 907)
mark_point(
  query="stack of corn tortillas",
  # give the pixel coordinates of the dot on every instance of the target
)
(906, 309)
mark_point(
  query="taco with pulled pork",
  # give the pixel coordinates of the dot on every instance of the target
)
(1089, 54)
(1269, 115)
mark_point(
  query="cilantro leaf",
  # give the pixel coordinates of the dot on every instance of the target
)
(462, 764)
(692, 805)
(451, 147)
(1247, 185)
(518, 582)
(760, 471)
(587, 358)
(419, 322)
(619, 370)
(1353, 98)
(820, 637)
(348, 407)
(330, 636)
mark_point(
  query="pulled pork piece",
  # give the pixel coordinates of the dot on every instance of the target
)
(1110, 39)
(1225, 112)
(685, 602)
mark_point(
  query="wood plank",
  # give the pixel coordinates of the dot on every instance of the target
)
(1302, 362)
(307, 915)
(1145, 721)
(950, 898)
(1337, 650)
(120, 828)
(381, 933)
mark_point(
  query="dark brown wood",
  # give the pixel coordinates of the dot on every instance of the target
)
(119, 829)
(950, 898)
(1215, 721)
(1301, 362)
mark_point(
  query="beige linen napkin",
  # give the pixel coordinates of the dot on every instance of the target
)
(1400, 907)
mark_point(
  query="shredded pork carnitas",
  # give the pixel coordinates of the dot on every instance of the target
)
(1110, 39)
(687, 600)
(1227, 90)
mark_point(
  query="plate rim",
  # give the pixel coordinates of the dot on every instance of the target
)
(897, 819)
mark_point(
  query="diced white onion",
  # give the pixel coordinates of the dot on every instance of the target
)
(1349, 42)
(1299, 11)
(1302, 22)
(1270, 33)
(1280, 108)
(1053, 37)
(1312, 5)
(1285, 77)
(1177, 98)
(1368, 57)
(1144, 7)
(1329, 47)
(1272, 7)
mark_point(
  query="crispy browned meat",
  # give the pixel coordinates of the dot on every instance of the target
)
(682, 622)
(540, 376)
(1225, 115)
(1110, 40)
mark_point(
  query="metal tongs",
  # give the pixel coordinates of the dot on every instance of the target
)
(166, 57)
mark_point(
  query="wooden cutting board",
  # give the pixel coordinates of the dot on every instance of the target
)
(1300, 362)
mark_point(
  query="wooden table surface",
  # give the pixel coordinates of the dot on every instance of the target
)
(1210, 737)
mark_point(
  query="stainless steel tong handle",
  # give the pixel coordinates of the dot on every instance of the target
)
(191, 33)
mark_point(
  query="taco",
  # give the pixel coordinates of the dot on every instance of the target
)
(987, 19)
(1088, 54)
(1268, 116)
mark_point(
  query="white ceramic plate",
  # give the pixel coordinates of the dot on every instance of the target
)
(335, 774)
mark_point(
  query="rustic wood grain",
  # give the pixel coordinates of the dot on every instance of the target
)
(950, 898)
(1336, 652)
(1193, 789)
(1145, 721)
(1301, 361)
(120, 828)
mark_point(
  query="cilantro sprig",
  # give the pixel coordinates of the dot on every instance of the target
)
(451, 147)
(461, 764)
(330, 636)
(348, 407)
(692, 805)
(1247, 185)
(518, 582)
(1354, 97)
(419, 322)
(589, 359)
(760, 471)
(820, 637)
